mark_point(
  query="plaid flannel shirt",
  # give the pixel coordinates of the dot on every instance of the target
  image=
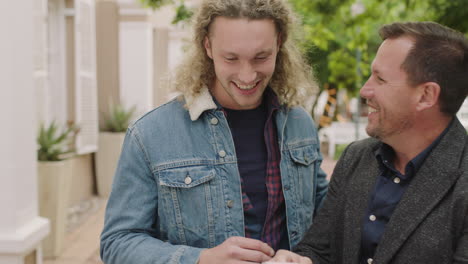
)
(275, 219)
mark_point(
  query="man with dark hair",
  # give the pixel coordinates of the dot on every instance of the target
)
(402, 195)
(230, 171)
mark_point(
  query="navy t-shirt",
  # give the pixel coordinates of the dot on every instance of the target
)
(247, 128)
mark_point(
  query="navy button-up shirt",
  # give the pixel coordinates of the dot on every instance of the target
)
(388, 190)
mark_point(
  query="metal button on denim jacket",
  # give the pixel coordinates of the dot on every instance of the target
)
(177, 187)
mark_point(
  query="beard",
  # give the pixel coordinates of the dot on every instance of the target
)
(389, 125)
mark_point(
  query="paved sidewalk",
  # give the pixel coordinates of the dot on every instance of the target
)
(82, 243)
(328, 164)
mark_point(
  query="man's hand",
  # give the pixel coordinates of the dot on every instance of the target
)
(284, 256)
(237, 250)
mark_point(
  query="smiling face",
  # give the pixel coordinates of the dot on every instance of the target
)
(390, 99)
(244, 56)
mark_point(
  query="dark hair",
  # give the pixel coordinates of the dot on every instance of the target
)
(439, 54)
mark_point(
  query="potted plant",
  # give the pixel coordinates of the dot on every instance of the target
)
(54, 180)
(110, 144)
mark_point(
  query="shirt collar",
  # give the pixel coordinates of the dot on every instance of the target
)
(270, 99)
(199, 103)
(203, 101)
(385, 155)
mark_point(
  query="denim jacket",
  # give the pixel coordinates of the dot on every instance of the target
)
(177, 187)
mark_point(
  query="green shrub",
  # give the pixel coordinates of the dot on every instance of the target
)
(119, 118)
(54, 145)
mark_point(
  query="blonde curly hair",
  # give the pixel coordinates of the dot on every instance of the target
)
(292, 80)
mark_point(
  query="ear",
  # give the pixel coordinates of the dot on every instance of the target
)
(207, 45)
(428, 96)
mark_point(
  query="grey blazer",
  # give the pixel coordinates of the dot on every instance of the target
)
(429, 225)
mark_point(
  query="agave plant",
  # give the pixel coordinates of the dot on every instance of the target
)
(55, 143)
(118, 118)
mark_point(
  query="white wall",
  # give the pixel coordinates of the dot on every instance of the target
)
(57, 89)
(135, 57)
(138, 58)
(463, 114)
(49, 63)
(20, 227)
(177, 40)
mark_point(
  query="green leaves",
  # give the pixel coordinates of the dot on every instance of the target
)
(334, 37)
(118, 118)
(453, 13)
(155, 4)
(183, 13)
(55, 144)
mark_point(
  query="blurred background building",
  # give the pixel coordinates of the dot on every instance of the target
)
(94, 62)
(84, 56)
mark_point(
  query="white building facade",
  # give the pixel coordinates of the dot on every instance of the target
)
(67, 60)
(21, 229)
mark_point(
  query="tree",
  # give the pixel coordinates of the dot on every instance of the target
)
(341, 46)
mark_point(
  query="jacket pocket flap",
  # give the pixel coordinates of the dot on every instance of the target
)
(186, 177)
(304, 155)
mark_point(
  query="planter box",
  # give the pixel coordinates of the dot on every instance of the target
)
(54, 183)
(82, 179)
(107, 156)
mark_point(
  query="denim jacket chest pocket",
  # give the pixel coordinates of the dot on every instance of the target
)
(304, 159)
(186, 201)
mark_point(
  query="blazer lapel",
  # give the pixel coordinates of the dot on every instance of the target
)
(361, 184)
(430, 184)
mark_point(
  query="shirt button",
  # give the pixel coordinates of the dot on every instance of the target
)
(230, 203)
(188, 180)
(372, 218)
(369, 261)
(222, 153)
(214, 121)
(396, 180)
